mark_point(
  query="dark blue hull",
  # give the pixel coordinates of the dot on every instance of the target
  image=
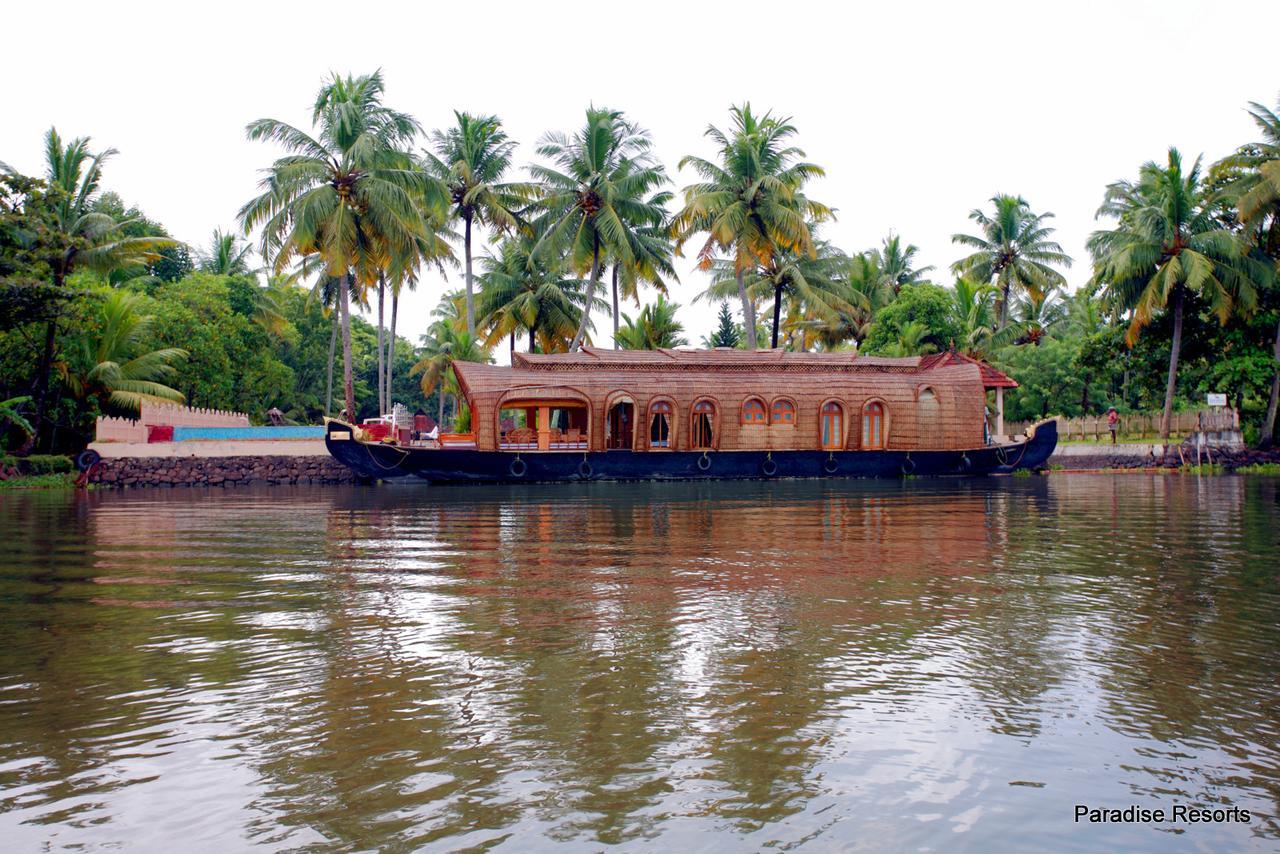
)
(381, 461)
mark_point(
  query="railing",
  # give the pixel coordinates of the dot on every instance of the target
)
(1135, 425)
(526, 439)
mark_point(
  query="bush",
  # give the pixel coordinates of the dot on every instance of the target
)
(40, 464)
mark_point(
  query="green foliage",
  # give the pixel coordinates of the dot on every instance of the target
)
(39, 464)
(726, 334)
(1272, 469)
(655, 327)
(923, 317)
(1048, 381)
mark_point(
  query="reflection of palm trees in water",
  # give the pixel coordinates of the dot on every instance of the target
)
(398, 667)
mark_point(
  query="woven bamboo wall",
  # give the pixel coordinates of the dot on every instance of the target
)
(952, 421)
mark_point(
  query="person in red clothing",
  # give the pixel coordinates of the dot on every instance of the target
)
(1113, 423)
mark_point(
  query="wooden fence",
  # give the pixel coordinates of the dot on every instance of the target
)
(1135, 425)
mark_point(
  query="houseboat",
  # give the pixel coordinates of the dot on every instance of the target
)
(708, 414)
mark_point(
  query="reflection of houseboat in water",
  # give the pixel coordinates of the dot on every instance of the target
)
(713, 414)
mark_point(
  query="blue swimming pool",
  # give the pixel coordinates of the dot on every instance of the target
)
(188, 434)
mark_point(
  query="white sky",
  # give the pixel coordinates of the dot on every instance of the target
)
(918, 111)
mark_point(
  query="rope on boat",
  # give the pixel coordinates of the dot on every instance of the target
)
(404, 455)
(908, 464)
(830, 465)
(704, 462)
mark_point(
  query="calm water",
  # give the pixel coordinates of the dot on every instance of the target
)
(814, 666)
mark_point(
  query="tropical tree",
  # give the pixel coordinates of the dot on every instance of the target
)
(974, 303)
(108, 364)
(897, 263)
(654, 328)
(444, 344)
(350, 195)
(89, 238)
(815, 284)
(470, 158)
(11, 417)
(522, 291)
(597, 197)
(651, 262)
(1035, 314)
(911, 339)
(1167, 247)
(228, 255)
(1013, 251)
(1255, 190)
(751, 203)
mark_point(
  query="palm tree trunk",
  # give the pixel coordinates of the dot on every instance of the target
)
(391, 342)
(581, 334)
(333, 346)
(471, 300)
(615, 306)
(1269, 423)
(777, 314)
(1166, 422)
(533, 341)
(440, 406)
(382, 365)
(1003, 314)
(348, 378)
(42, 378)
(748, 310)
(512, 347)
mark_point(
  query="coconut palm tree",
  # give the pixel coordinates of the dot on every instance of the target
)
(228, 255)
(897, 263)
(470, 158)
(522, 291)
(106, 362)
(1166, 247)
(910, 341)
(90, 238)
(350, 195)
(597, 197)
(1255, 190)
(1035, 314)
(444, 344)
(1013, 251)
(655, 327)
(651, 264)
(974, 304)
(751, 203)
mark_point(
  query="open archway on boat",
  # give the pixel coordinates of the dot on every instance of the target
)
(873, 424)
(832, 423)
(546, 419)
(619, 426)
(660, 423)
(703, 427)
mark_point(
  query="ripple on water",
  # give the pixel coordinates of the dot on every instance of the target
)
(817, 664)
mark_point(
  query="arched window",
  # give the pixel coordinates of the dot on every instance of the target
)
(832, 426)
(660, 425)
(753, 411)
(784, 412)
(872, 427)
(704, 419)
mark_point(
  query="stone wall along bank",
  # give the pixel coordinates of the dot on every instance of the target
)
(219, 471)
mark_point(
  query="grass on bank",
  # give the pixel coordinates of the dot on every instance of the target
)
(39, 481)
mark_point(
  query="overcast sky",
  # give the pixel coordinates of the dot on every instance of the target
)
(919, 112)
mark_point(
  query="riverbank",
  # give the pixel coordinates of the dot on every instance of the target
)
(161, 471)
(1145, 456)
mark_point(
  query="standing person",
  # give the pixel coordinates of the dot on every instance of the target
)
(1113, 422)
(986, 424)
